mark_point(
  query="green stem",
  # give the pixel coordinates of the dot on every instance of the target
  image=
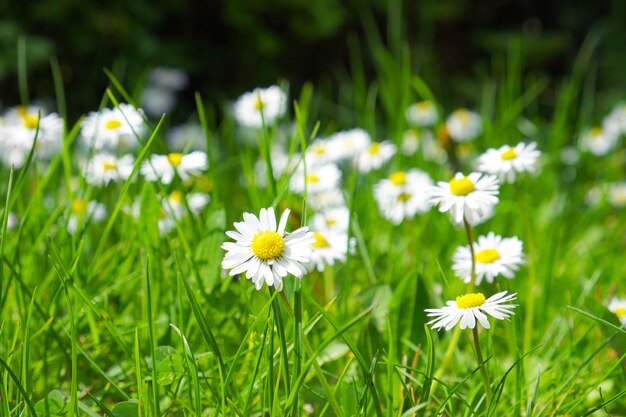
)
(481, 363)
(283, 342)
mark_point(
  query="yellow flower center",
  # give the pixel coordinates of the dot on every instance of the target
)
(112, 124)
(79, 206)
(176, 196)
(620, 312)
(108, 166)
(404, 197)
(320, 241)
(331, 222)
(470, 300)
(398, 178)
(508, 155)
(267, 245)
(312, 179)
(595, 132)
(374, 148)
(175, 159)
(423, 105)
(320, 150)
(462, 186)
(487, 256)
(463, 115)
(30, 121)
(258, 103)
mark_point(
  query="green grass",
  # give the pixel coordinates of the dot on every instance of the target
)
(119, 321)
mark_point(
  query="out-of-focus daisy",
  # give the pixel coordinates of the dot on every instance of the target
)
(403, 195)
(272, 101)
(471, 308)
(156, 100)
(422, 114)
(104, 168)
(615, 122)
(281, 163)
(464, 125)
(413, 140)
(176, 203)
(465, 196)
(328, 248)
(174, 79)
(374, 156)
(325, 200)
(113, 129)
(12, 220)
(334, 219)
(82, 211)
(318, 178)
(494, 256)
(507, 161)
(617, 306)
(349, 143)
(163, 167)
(616, 194)
(321, 151)
(265, 252)
(186, 137)
(598, 141)
(410, 142)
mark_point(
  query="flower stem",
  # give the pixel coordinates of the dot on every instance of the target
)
(283, 342)
(481, 363)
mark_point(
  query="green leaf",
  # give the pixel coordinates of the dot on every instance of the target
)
(126, 409)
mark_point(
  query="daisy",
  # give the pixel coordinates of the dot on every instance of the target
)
(494, 256)
(318, 178)
(12, 221)
(334, 219)
(321, 151)
(164, 167)
(422, 114)
(349, 143)
(507, 161)
(410, 142)
(616, 194)
(598, 141)
(464, 125)
(113, 129)
(87, 210)
(189, 136)
(267, 253)
(329, 247)
(175, 204)
(104, 168)
(403, 195)
(615, 122)
(281, 163)
(272, 101)
(470, 308)
(375, 156)
(466, 197)
(326, 200)
(413, 140)
(617, 306)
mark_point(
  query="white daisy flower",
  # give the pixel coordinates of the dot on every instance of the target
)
(321, 151)
(281, 163)
(413, 140)
(464, 125)
(81, 210)
(272, 101)
(185, 137)
(410, 142)
(507, 162)
(265, 252)
(113, 129)
(164, 167)
(318, 178)
(374, 156)
(615, 122)
(616, 194)
(617, 306)
(12, 220)
(471, 308)
(466, 197)
(422, 114)
(598, 141)
(325, 200)
(328, 248)
(104, 168)
(349, 143)
(403, 195)
(334, 219)
(175, 205)
(494, 256)
(156, 100)
(174, 79)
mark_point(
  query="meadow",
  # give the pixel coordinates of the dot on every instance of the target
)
(123, 295)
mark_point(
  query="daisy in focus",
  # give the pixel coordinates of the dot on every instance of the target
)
(471, 308)
(318, 178)
(164, 167)
(113, 129)
(104, 168)
(464, 125)
(271, 102)
(84, 211)
(265, 252)
(617, 306)
(598, 141)
(494, 256)
(507, 161)
(328, 248)
(465, 197)
(403, 195)
(422, 114)
(377, 154)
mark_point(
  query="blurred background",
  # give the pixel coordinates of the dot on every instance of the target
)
(227, 47)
